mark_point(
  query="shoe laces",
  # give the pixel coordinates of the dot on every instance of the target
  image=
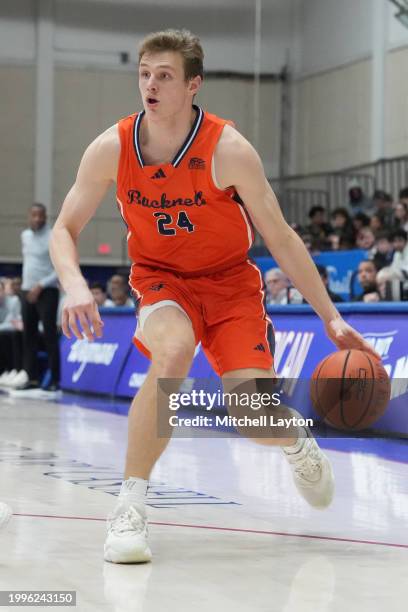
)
(129, 520)
(307, 465)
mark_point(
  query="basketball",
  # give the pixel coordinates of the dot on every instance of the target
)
(350, 390)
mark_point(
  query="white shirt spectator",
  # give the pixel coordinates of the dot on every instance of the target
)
(399, 264)
(10, 310)
(37, 266)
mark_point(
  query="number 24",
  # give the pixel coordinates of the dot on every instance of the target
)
(163, 219)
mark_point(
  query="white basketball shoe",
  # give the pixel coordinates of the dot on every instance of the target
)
(5, 514)
(312, 472)
(126, 541)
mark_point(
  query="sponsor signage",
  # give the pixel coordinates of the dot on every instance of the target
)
(136, 367)
(96, 366)
(112, 365)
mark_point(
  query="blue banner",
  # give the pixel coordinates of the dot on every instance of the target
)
(112, 365)
(136, 367)
(96, 366)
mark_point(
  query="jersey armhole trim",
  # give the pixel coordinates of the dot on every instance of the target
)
(211, 174)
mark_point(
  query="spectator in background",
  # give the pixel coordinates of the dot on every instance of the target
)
(15, 286)
(318, 228)
(382, 281)
(365, 239)
(333, 241)
(377, 224)
(342, 225)
(383, 207)
(325, 278)
(383, 251)
(367, 273)
(119, 290)
(100, 296)
(358, 201)
(401, 215)
(403, 195)
(360, 220)
(10, 336)
(313, 245)
(39, 302)
(277, 286)
(399, 265)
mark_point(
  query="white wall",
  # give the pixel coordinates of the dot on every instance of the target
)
(17, 30)
(332, 33)
(94, 33)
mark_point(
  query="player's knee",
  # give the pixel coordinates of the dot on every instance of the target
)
(173, 358)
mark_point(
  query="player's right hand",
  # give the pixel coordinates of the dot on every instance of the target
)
(80, 307)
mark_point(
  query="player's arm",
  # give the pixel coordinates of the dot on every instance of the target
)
(96, 173)
(238, 164)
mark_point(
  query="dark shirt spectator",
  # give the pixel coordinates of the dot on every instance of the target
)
(335, 297)
(377, 223)
(342, 225)
(383, 207)
(367, 273)
(358, 201)
(318, 227)
(360, 220)
(403, 195)
(383, 251)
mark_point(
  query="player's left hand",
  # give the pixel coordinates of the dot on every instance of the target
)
(346, 337)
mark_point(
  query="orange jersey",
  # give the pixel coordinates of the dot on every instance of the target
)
(177, 218)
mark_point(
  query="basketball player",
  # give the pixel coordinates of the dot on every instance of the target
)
(177, 169)
(5, 514)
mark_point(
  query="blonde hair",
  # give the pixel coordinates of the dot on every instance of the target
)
(181, 41)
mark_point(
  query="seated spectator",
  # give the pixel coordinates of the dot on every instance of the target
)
(99, 293)
(383, 207)
(16, 285)
(277, 287)
(383, 285)
(365, 239)
(325, 278)
(318, 227)
(367, 273)
(401, 215)
(360, 220)
(377, 224)
(342, 225)
(11, 342)
(358, 201)
(399, 265)
(119, 291)
(403, 196)
(346, 243)
(334, 241)
(383, 251)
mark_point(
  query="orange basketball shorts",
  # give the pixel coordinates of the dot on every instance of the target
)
(226, 310)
